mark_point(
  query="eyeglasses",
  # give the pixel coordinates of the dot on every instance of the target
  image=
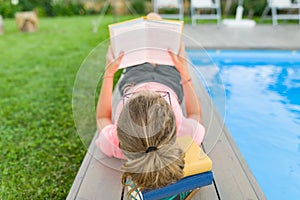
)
(163, 94)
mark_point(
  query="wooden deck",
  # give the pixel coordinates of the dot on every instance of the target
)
(260, 37)
(233, 180)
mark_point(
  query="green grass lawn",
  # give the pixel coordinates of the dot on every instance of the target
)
(40, 149)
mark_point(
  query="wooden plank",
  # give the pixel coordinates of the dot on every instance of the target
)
(206, 193)
(81, 173)
(99, 177)
(101, 181)
(233, 178)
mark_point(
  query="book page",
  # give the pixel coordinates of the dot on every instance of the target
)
(134, 57)
(161, 36)
(158, 56)
(127, 36)
(164, 34)
(145, 40)
(131, 42)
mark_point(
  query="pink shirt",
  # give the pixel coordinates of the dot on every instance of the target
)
(108, 140)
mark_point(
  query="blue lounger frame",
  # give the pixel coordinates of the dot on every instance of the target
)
(183, 185)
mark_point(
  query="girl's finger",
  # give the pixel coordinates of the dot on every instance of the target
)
(119, 59)
(174, 59)
(111, 51)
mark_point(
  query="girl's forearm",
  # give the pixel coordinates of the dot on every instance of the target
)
(192, 103)
(104, 106)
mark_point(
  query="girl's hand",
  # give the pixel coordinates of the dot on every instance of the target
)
(112, 64)
(180, 62)
(154, 16)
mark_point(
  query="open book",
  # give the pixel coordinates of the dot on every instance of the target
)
(143, 40)
(196, 161)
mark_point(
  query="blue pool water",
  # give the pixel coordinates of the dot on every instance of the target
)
(262, 106)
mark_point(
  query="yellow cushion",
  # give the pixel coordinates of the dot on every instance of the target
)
(196, 161)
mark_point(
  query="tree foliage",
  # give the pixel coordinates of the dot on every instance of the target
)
(43, 7)
(77, 7)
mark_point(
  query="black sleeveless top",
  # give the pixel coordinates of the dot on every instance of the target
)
(164, 74)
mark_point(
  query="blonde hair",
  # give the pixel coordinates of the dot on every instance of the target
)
(147, 120)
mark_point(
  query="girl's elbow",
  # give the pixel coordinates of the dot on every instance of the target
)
(102, 122)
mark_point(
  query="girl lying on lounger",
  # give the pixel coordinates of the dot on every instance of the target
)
(148, 119)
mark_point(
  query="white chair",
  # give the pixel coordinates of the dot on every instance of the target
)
(213, 5)
(165, 4)
(275, 5)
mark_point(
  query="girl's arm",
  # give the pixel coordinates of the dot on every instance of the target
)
(192, 103)
(104, 106)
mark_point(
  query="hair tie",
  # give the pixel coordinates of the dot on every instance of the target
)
(151, 148)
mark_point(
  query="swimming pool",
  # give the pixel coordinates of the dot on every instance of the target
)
(262, 105)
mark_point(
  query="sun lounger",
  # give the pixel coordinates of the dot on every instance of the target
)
(276, 5)
(212, 5)
(183, 185)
